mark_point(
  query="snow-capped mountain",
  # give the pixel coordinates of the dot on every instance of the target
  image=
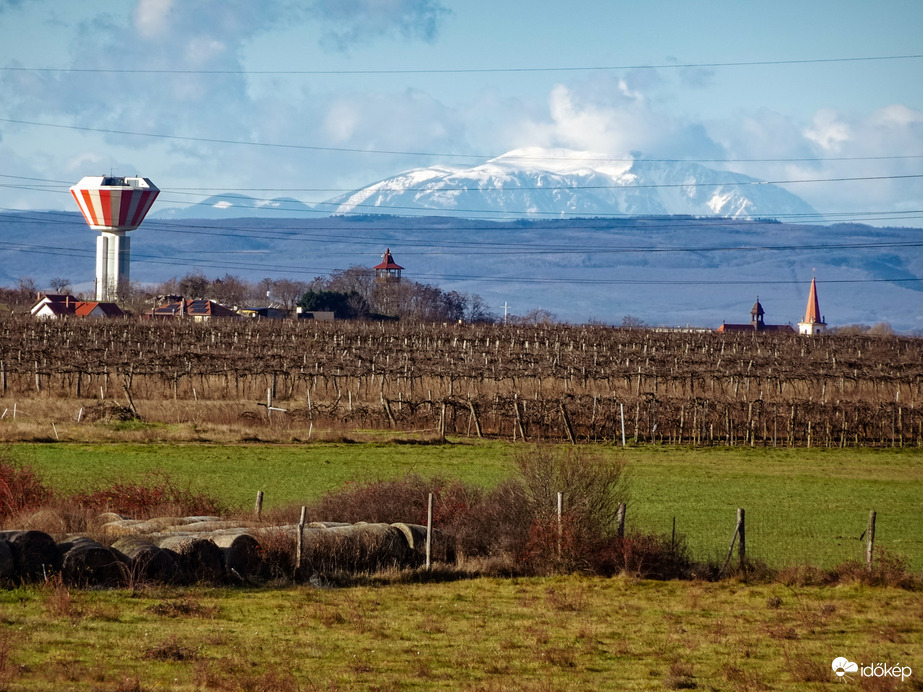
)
(230, 206)
(558, 182)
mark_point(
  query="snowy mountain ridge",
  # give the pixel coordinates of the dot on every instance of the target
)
(561, 182)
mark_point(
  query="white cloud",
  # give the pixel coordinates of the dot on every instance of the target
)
(152, 17)
(353, 21)
(828, 131)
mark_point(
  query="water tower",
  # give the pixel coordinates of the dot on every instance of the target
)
(114, 206)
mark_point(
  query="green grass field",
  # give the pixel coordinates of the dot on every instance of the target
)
(802, 505)
(562, 633)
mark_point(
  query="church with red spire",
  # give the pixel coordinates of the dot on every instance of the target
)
(813, 322)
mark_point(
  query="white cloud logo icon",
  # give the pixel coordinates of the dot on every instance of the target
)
(842, 665)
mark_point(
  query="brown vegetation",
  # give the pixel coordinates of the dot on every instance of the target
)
(539, 382)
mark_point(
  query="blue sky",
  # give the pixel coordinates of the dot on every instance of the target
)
(303, 99)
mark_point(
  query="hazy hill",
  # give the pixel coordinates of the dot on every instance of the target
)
(664, 270)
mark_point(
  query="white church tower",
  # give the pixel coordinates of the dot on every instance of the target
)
(813, 323)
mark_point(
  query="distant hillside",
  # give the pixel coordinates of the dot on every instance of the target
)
(663, 270)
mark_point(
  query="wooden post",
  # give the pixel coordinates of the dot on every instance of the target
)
(429, 531)
(300, 545)
(620, 521)
(386, 405)
(258, 508)
(474, 415)
(269, 402)
(622, 416)
(519, 425)
(742, 541)
(568, 429)
(870, 539)
(560, 526)
(442, 421)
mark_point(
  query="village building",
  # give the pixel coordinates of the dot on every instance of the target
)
(757, 323)
(199, 310)
(813, 322)
(58, 305)
(388, 270)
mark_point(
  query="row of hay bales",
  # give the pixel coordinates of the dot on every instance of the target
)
(208, 549)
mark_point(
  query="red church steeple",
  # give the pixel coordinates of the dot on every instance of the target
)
(813, 323)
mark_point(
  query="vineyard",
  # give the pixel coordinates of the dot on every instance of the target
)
(545, 382)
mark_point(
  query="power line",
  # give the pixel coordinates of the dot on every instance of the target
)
(394, 152)
(493, 278)
(483, 248)
(466, 70)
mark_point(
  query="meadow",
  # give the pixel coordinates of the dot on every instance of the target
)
(552, 633)
(803, 506)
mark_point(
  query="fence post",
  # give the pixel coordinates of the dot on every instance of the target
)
(870, 539)
(474, 414)
(560, 525)
(739, 533)
(568, 429)
(258, 508)
(300, 545)
(622, 416)
(742, 540)
(620, 521)
(429, 531)
(518, 422)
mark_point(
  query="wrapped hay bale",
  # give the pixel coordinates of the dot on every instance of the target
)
(441, 548)
(35, 554)
(353, 548)
(242, 555)
(415, 535)
(48, 520)
(85, 562)
(209, 525)
(327, 524)
(121, 527)
(200, 558)
(7, 566)
(148, 561)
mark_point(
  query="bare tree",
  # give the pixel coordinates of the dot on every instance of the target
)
(230, 290)
(60, 285)
(194, 285)
(288, 291)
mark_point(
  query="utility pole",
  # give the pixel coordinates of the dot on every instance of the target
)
(506, 309)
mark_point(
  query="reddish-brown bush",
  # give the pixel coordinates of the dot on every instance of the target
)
(647, 555)
(887, 569)
(21, 490)
(157, 495)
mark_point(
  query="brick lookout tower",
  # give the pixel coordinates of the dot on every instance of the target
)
(388, 270)
(113, 205)
(813, 322)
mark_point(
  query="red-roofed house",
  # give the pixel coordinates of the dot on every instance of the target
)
(199, 310)
(54, 306)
